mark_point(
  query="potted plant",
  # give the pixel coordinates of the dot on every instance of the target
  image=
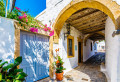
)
(58, 66)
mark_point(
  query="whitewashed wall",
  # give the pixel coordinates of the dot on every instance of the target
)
(87, 53)
(112, 52)
(7, 40)
(71, 63)
(53, 9)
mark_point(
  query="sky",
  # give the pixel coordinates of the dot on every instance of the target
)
(34, 6)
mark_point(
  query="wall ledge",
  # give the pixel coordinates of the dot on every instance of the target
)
(103, 70)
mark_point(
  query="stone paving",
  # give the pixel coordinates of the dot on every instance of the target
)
(85, 72)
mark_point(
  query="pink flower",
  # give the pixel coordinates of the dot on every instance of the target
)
(24, 15)
(45, 25)
(51, 33)
(36, 30)
(20, 17)
(17, 8)
(26, 20)
(45, 29)
(33, 29)
(49, 28)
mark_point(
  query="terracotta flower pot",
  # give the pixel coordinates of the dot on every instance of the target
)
(59, 76)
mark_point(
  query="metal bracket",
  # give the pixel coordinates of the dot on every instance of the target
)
(117, 32)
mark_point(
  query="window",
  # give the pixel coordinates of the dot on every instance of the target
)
(70, 46)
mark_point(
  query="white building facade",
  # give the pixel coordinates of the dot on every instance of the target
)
(51, 16)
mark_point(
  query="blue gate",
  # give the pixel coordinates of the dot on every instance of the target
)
(34, 50)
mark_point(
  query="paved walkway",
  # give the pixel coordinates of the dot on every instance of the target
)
(85, 72)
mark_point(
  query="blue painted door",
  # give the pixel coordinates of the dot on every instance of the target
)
(34, 50)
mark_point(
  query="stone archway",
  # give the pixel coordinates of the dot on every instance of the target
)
(109, 7)
(105, 6)
(89, 35)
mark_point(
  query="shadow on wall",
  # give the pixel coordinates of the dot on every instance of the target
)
(7, 40)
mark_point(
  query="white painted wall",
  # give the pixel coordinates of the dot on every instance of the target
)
(7, 40)
(70, 63)
(87, 53)
(112, 52)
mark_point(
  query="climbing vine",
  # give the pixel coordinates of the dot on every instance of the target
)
(25, 17)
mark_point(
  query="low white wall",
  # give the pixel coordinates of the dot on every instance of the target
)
(87, 53)
(7, 40)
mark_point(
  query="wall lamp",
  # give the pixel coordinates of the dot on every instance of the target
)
(117, 32)
(68, 31)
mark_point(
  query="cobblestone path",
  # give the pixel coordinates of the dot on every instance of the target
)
(85, 72)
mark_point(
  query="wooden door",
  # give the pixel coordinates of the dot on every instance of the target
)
(34, 50)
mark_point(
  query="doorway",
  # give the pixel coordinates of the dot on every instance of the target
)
(79, 52)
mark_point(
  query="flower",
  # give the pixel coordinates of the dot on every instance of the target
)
(57, 50)
(36, 30)
(24, 15)
(57, 62)
(45, 25)
(49, 28)
(45, 29)
(51, 33)
(17, 8)
(20, 17)
(26, 20)
(33, 29)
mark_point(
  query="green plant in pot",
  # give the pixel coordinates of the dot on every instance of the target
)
(11, 73)
(59, 66)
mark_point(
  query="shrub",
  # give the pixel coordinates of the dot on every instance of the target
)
(10, 72)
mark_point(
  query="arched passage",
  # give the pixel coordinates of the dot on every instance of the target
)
(109, 7)
(87, 37)
(105, 6)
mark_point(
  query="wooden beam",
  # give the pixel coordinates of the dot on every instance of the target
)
(93, 28)
(91, 24)
(80, 14)
(94, 31)
(92, 19)
(85, 17)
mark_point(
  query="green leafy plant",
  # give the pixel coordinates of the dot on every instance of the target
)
(58, 64)
(10, 72)
(2, 8)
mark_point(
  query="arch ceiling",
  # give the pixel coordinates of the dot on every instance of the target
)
(88, 20)
(110, 8)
